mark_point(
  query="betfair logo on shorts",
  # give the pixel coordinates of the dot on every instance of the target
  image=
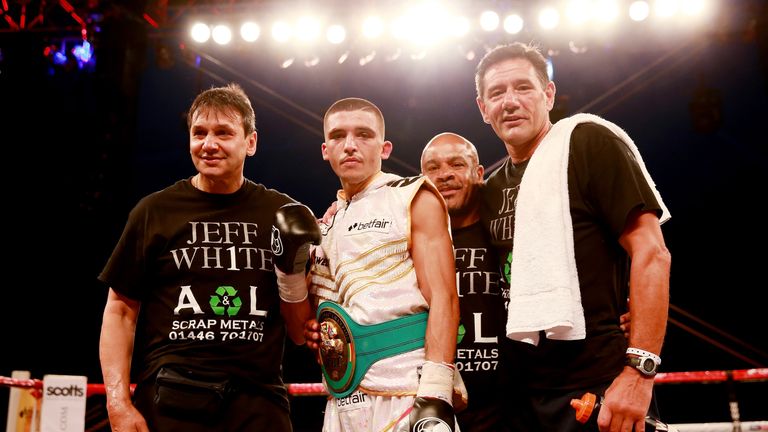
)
(72, 390)
(375, 224)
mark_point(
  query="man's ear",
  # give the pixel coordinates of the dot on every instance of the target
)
(481, 106)
(386, 150)
(251, 144)
(550, 91)
(324, 150)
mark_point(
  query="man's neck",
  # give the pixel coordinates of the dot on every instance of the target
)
(218, 186)
(467, 216)
(465, 219)
(350, 190)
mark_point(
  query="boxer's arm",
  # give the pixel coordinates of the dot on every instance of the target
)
(432, 252)
(294, 229)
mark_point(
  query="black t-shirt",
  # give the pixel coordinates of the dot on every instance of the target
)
(605, 183)
(201, 266)
(481, 303)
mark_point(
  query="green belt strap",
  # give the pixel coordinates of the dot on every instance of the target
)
(348, 349)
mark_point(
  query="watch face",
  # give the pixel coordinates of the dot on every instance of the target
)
(649, 365)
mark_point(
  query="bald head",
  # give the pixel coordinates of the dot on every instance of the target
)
(451, 162)
(444, 139)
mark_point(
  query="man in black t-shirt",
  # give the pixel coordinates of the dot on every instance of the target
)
(450, 161)
(203, 285)
(568, 211)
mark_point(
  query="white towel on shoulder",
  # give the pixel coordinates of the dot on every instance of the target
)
(544, 283)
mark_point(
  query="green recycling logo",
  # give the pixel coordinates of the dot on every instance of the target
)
(508, 267)
(226, 300)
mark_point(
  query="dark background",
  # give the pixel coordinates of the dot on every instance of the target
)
(82, 146)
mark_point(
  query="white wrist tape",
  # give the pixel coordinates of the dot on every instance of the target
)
(293, 287)
(436, 381)
(644, 353)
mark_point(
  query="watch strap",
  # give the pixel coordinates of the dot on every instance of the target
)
(644, 353)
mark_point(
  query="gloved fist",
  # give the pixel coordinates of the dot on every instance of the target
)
(432, 415)
(432, 409)
(293, 230)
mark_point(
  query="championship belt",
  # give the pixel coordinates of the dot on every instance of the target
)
(348, 349)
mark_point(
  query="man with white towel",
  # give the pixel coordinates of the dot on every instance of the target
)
(575, 219)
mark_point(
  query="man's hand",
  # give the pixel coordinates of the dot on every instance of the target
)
(329, 214)
(124, 417)
(312, 334)
(624, 324)
(626, 402)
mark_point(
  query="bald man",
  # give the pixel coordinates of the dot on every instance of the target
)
(451, 163)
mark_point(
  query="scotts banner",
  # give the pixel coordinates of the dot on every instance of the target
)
(63, 403)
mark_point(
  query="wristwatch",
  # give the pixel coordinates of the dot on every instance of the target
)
(647, 363)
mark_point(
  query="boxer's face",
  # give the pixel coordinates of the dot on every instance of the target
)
(355, 146)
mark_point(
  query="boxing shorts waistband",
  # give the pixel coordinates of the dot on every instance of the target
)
(348, 349)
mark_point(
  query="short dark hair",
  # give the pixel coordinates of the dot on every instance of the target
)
(230, 98)
(514, 50)
(355, 104)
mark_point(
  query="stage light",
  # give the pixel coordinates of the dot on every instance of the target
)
(307, 29)
(287, 63)
(460, 26)
(639, 10)
(693, 7)
(343, 57)
(419, 55)
(513, 24)
(364, 60)
(250, 31)
(578, 11)
(83, 54)
(606, 11)
(400, 27)
(489, 21)
(665, 8)
(200, 32)
(281, 31)
(427, 23)
(373, 27)
(549, 18)
(311, 62)
(59, 58)
(393, 56)
(576, 48)
(221, 34)
(336, 34)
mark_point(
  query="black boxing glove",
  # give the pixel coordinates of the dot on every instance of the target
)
(432, 409)
(431, 415)
(293, 230)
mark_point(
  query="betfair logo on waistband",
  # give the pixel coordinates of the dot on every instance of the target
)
(374, 224)
(354, 401)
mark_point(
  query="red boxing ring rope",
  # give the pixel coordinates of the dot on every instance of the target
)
(318, 389)
(35, 387)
